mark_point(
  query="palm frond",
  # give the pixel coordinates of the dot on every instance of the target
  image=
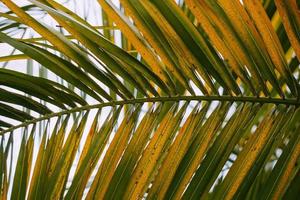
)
(194, 100)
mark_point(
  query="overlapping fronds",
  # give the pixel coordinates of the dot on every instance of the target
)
(197, 99)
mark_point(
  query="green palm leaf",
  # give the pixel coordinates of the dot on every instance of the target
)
(176, 100)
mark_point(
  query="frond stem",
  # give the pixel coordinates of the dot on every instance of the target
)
(243, 99)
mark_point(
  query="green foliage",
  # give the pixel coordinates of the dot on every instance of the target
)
(195, 100)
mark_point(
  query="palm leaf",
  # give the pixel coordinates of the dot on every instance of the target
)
(194, 100)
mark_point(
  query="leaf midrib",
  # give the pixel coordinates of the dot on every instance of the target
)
(223, 98)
